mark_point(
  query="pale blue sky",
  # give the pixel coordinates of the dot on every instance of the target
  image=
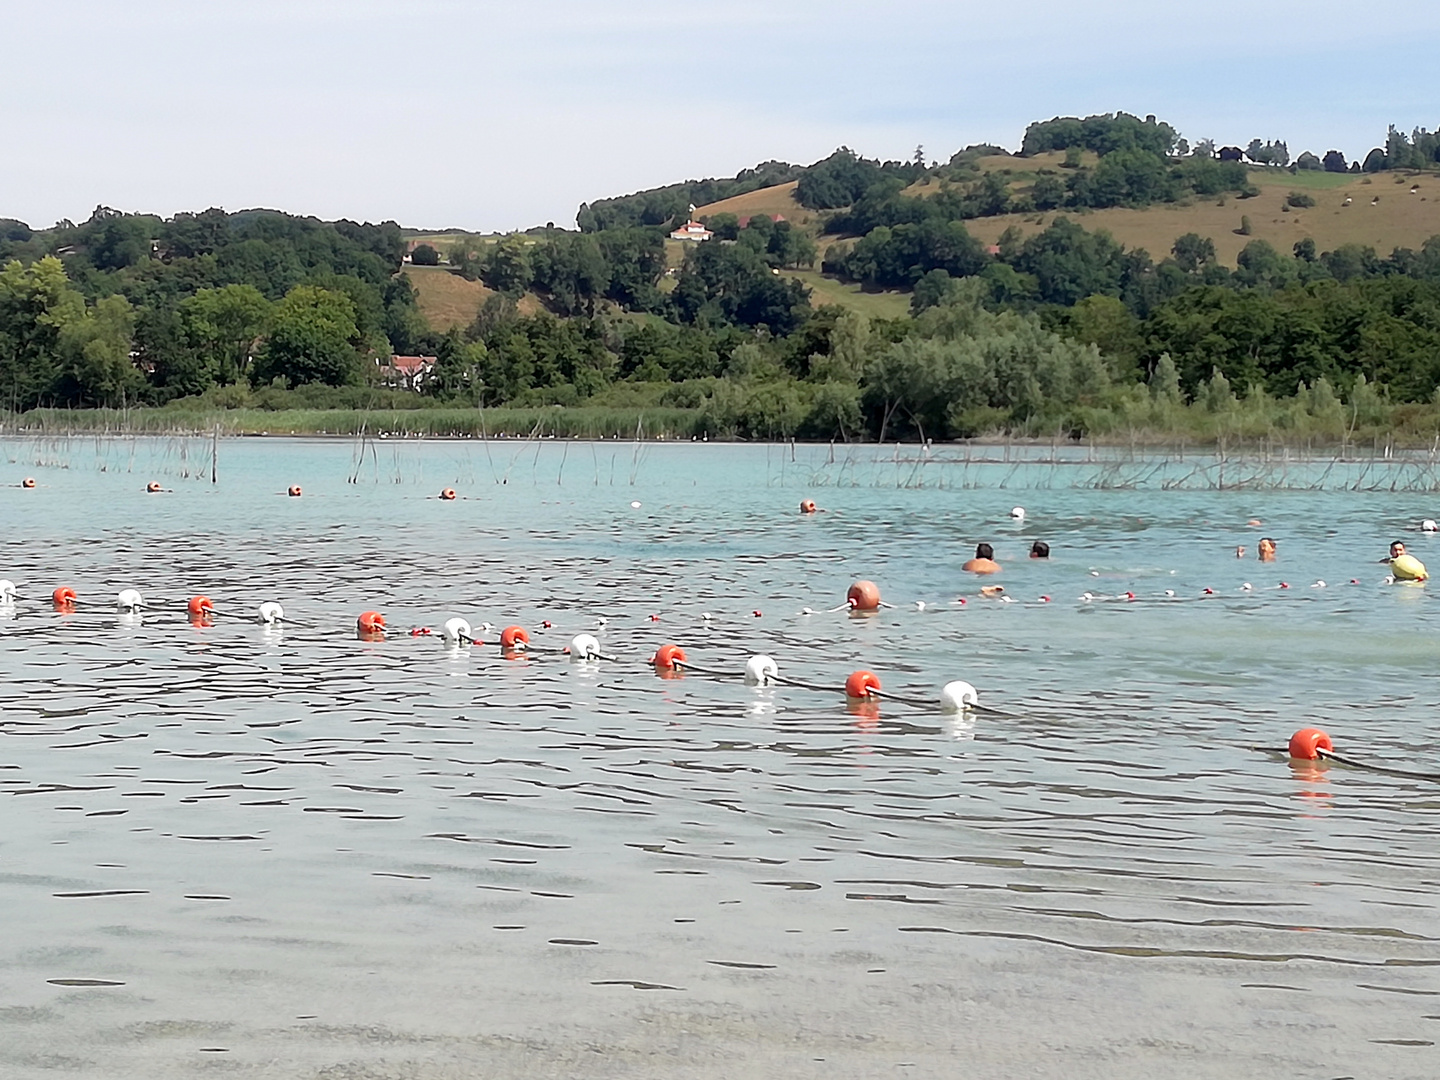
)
(502, 115)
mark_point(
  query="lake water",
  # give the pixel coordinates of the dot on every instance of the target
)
(236, 851)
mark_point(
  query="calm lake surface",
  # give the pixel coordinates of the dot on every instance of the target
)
(237, 851)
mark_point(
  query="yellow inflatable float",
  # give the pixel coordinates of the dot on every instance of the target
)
(1408, 568)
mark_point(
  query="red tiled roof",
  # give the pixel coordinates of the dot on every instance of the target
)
(411, 364)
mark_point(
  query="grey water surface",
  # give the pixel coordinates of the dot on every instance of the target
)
(240, 851)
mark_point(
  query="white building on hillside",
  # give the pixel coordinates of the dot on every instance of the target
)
(692, 230)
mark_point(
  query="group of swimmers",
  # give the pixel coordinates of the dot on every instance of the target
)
(1403, 567)
(984, 560)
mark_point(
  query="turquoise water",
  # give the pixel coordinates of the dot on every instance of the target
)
(296, 854)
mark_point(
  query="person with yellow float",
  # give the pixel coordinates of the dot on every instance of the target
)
(1405, 567)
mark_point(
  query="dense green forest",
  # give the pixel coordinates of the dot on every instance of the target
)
(1062, 333)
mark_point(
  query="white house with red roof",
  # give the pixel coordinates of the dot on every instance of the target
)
(692, 230)
(407, 372)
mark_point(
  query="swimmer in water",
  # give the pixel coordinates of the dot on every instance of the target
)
(1405, 567)
(1267, 549)
(983, 562)
(1039, 550)
(1240, 551)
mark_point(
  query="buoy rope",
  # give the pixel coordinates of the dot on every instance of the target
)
(1386, 769)
(1341, 759)
(783, 681)
(890, 695)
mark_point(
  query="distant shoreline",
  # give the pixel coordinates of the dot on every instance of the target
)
(668, 425)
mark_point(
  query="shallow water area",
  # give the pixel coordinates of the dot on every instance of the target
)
(287, 852)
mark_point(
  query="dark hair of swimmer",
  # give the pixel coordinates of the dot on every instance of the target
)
(984, 551)
(1397, 548)
(1039, 550)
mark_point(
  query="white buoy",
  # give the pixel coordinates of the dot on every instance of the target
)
(760, 671)
(634, 506)
(584, 647)
(1087, 596)
(1169, 592)
(1018, 513)
(806, 611)
(958, 696)
(456, 631)
(1319, 584)
(271, 613)
(706, 616)
(7, 591)
(1429, 525)
(1246, 587)
(128, 600)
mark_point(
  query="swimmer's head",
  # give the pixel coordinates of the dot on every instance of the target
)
(1266, 548)
(984, 551)
(1397, 548)
(1039, 550)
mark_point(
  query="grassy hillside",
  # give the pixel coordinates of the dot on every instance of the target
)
(446, 299)
(1383, 213)
(1398, 219)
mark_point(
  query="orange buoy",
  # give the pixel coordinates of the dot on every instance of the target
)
(294, 491)
(448, 494)
(153, 486)
(863, 596)
(28, 482)
(514, 638)
(807, 506)
(200, 605)
(669, 657)
(861, 684)
(1307, 743)
(64, 598)
(370, 622)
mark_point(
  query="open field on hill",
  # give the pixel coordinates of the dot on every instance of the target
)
(772, 200)
(1397, 219)
(889, 304)
(446, 299)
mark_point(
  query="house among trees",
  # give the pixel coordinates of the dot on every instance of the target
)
(407, 372)
(692, 230)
